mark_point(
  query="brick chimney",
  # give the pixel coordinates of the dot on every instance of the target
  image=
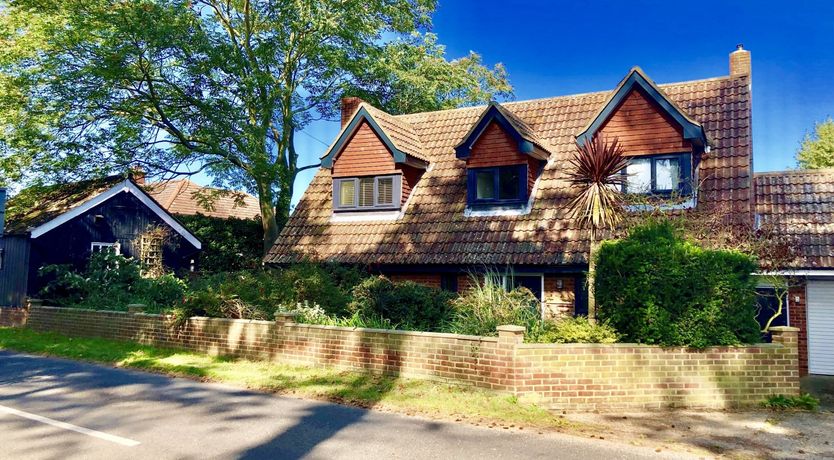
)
(349, 105)
(740, 61)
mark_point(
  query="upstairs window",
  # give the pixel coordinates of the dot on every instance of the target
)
(496, 186)
(367, 193)
(659, 175)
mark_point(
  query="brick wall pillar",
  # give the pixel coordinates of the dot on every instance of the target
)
(285, 318)
(508, 337)
(788, 337)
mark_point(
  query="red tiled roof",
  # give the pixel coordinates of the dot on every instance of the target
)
(800, 204)
(433, 228)
(187, 198)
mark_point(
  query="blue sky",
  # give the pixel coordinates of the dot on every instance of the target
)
(555, 48)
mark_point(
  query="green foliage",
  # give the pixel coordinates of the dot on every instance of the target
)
(313, 314)
(655, 287)
(817, 150)
(91, 86)
(782, 402)
(228, 244)
(487, 305)
(111, 282)
(408, 305)
(573, 330)
(256, 294)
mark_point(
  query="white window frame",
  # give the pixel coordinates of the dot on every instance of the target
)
(117, 248)
(396, 193)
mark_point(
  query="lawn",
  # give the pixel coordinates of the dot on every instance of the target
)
(411, 396)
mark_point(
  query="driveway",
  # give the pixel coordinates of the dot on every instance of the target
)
(54, 408)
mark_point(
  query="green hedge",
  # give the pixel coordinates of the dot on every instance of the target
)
(655, 287)
(228, 244)
(407, 305)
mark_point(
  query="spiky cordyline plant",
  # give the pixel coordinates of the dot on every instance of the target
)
(595, 172)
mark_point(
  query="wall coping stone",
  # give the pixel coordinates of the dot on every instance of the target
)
(784, 329)
(646, 346)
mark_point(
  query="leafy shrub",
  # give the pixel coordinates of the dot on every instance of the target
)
(314, 314)
(573, 330)
(487, 305)
(228, 244)
(110, 281)
(258, 293)
(782, 402)
(328, 285)
(655, 287)
(408, 305)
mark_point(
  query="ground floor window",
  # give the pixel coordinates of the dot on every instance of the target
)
(449, 282)
(534, 283)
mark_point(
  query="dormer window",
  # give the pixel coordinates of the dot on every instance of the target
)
(501, 185)
(367, 193)
(659, 175)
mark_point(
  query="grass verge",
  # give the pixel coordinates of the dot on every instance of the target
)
(410, 396)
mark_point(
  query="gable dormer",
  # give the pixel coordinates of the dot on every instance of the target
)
(503, 159)
(375, 162)
(665, 144)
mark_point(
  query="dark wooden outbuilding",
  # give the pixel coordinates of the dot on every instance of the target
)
(66, 224)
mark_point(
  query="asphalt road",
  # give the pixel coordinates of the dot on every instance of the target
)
(60, 409)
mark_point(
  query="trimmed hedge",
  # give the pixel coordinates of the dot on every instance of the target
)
(655, 287)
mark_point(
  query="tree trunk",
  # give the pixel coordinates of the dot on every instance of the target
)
(270, 225)
(592, 267)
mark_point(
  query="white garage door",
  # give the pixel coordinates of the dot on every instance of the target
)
(821, 327)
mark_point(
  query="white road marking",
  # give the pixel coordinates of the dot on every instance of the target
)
(71, 427)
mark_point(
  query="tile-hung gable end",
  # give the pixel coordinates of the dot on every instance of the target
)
(665, 144)
(503, 158)
(433, 229)
(375, 163)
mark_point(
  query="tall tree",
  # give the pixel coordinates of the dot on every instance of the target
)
(595, 173)
(89, 87)
(817, 149)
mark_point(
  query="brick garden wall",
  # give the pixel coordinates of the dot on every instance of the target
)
(577, 376)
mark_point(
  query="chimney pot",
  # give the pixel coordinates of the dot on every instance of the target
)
(740, 61)
(349, 105)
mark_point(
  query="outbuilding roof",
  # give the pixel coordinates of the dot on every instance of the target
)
(36, 206)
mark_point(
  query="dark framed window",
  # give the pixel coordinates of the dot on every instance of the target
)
(449, 282)
(496, 186)
(532, 282)
(2, 258)
(367, 193)
(659, 174)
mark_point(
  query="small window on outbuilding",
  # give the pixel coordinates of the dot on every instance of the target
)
(2, 258)
(97, 246)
